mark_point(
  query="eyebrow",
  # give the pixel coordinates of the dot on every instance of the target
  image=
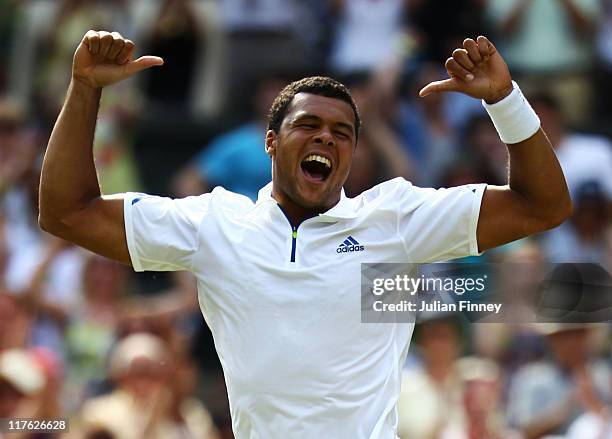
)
(303, 117)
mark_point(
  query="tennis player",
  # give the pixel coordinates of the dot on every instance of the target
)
(279, 279)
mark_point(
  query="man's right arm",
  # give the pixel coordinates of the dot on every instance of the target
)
(71, 205)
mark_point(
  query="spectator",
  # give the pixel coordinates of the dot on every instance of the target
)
(70, 19)
(486, 152)
(141, 406)
(368, 34)
(8, 19)
(262, 38)
(184, 405)
(546, 397)
(51, 366)
(442, 25)
(113, 148)
(583, 157)
(430, 400)
(235, 160)
(80, 330)
(176, 36)
(379, 154)
(427, 130)
(52, 287)
(199, 22)
(555, 57)
(18, 174)
(26, 246)
(20, 381)
(604, 50)
(15, 323)
(583, 238)
(91, 324)
(521, 268)
(586, 160)
(29, 25)
(481, 401)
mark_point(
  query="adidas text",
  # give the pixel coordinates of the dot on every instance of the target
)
(352, 248)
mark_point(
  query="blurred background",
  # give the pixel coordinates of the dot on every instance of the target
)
(130, 356)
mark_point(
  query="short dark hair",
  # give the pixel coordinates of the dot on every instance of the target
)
(317, 85)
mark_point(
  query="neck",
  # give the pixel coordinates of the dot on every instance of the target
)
(296, 212)
(293, 211)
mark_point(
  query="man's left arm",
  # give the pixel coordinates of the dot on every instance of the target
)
(536, 197)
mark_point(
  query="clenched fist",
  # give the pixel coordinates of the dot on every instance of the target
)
(477, 70)
(104, 58)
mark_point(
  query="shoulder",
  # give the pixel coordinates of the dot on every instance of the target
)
(221, 196)
(192, 206)
(386, 190)
(224, 203)
(141, 201)
(386, 196)
(401, 191)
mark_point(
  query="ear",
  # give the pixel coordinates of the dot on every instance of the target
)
(271, 142)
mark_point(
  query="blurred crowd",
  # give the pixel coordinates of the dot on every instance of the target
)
(129, 356)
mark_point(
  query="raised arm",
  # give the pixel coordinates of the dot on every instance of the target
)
(536, 197)
(71, 205)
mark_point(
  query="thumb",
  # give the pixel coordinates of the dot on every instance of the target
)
(439, 87)
(144, 62)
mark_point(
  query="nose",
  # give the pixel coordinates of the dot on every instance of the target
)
(324, 137)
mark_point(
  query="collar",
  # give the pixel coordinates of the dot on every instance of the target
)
(342, 210)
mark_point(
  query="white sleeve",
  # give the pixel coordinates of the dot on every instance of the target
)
(162, 233)
(440, 224)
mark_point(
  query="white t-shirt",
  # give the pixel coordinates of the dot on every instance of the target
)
(297, 360)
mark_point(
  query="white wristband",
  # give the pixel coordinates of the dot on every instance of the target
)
(513, 117)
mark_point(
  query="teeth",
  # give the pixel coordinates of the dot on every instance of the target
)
(318, 158)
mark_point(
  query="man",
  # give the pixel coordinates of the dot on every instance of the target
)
(557, 58)
(546, 397)
(147, 401)
(584, 157)
(430, 400)
(279, 294)
(21, 381)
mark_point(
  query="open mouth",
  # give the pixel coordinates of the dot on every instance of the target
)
(316, 167)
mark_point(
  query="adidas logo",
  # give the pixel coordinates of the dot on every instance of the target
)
(350, 244)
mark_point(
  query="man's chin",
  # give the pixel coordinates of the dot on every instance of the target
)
(318, 200)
